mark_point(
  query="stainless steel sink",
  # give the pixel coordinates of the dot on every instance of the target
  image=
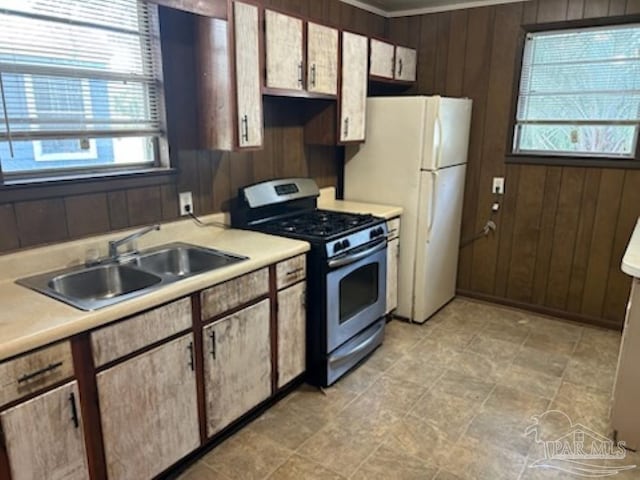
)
(181, 260)
(114, 281)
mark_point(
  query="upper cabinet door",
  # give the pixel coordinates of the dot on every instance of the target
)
(322, 59)
(44, 437)
(353, 95)
(283, 51)
(406, 60)
(382, 59)
(247, 59)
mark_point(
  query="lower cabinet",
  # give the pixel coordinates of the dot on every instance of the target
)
(292, 326)
(237, 364)
(149, 411)
(44, 437)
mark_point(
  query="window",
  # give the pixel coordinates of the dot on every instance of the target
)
(580, 93)
(80, 86)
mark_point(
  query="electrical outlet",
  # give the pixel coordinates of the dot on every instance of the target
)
(498, 185)
(186, 203)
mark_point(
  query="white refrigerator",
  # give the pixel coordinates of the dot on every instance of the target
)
(415, 156)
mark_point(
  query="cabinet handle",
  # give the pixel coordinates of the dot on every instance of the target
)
(313, 75)
(294, 271)
(212, 335)
(245, 128)
(346, 127)
(74, 410)
(300, 73)
(191, 364)
(42, 371)
(399, 67)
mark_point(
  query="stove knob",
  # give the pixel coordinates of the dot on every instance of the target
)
(373, 234)
(346, 243)
(337, 247)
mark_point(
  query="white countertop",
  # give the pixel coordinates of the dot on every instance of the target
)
(631, 259)
(327, 201)
(29, 319)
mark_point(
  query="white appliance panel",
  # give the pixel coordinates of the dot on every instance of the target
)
(438, 240)
(447, 125)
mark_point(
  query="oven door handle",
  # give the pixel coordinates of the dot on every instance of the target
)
(354, 257)
(358, 348)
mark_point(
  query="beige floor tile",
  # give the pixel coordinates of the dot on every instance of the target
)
(515, 403)
(584, 405)
(420, 368)
(548, 342)
(421, 439)
(454, 339)
(444, 475)
(344, 447)
(590, 374)
(368, 417)
(247, 455)
(598, 345)
(402, 335)
(394, 394)
(384, 357)
(499, 350)
(545, 362)
(389, 461)
(474, 459)
(282, 426)
(299, 468)
(464, 386)
(508, 331)
(501, 430)
(449, 413)
(529, 381)
(480, 366)
(556, 328)
(200, 471)
(317, 406)
(359, 379)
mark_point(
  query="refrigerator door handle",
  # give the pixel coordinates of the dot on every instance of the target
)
(439, 149)
(432, 204)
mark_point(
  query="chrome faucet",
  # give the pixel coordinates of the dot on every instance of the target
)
(115, 244)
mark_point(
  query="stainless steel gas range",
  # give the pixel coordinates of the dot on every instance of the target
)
(346, 270)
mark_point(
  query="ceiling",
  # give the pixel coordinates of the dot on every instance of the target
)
(399, 8)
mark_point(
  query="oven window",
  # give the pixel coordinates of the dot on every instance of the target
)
(358, 290)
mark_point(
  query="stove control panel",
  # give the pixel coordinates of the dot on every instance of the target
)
(356, 239)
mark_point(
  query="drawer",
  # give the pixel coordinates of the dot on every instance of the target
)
(291, 271)
(122, 338)
(229, 295)
(393, 226)
(36, 370)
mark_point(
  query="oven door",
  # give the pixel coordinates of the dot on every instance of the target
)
(356, 292)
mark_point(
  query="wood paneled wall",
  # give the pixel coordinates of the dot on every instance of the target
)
(561, 231)
(213, 177)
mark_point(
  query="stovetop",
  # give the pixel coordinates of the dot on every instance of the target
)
(318, 224)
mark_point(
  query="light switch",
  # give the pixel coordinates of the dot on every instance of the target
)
(498, 185)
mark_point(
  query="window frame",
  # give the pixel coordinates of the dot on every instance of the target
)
(551, 159)
(159, 171)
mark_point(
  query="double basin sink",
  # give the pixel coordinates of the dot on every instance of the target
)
(114, 281)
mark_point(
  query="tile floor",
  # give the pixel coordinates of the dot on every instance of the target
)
(448, 400)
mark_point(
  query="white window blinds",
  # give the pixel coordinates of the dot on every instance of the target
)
(580, 93)
(80, 83)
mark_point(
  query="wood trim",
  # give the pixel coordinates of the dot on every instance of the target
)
(77, 185)
(390, 81)
(567, 161)
(5, 469)
(601, 21)
(198, 345)
(89, 405)
(273, 297)
(552, 312)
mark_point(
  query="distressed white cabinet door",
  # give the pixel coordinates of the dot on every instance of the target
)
(353, 96)
(44, 437)
(149, 411)
(283, 51)
(292, 327)
(237, 364)
(393, 252)
(247, 58)
(381, 59)
(406, 60)
(322, 59)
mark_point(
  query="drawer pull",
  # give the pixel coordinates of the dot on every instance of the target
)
(42, 371)
(294, 271)
(74, 411)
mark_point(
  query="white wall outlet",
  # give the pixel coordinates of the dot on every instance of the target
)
(498, 185)
(186, 203)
